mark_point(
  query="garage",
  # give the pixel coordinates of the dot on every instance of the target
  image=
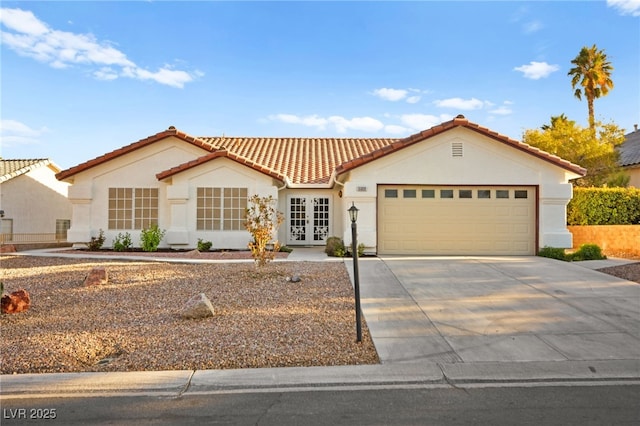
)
(456, 220)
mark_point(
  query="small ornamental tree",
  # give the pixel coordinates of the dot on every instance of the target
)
(262, 221)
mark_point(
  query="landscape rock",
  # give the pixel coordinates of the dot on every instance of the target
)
(18, 301)
(96, 276)
(193, 253)
(294, 279)
(198, 306)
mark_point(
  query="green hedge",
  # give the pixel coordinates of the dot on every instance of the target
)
(604, 206)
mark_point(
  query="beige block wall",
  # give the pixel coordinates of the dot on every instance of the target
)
(612, 239)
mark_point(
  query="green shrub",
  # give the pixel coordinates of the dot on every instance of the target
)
(204, 245)
(588, 252)
(96, 242)
(335, 247)
(585, 252)
(553, 253)
(360, 250)
(604, 206)
(286, 249)
(122, 242)
(150, 238)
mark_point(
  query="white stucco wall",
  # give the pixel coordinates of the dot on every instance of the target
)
(34, 201)
(89, 193)
(181, 192)
(484, 162)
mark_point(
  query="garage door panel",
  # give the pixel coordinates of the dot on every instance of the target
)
(487, 225)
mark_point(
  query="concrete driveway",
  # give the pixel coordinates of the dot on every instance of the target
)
(497, 309)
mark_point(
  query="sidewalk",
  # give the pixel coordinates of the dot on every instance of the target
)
(417, 345)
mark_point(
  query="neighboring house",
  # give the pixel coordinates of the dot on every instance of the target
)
(457, 188)
(630, 157)
(32, 201)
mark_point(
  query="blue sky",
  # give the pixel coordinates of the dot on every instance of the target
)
(79, 79)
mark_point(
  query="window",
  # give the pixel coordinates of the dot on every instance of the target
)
(484, 193)
(390, 193)
(120, 208)
(446, 193)
(520, 193)
(409, 193)
(465, 193)
(428, 193)
(221, 209)
(62, 226)
(6, 230)
(133, 208)
(146, 207)
(502, 193)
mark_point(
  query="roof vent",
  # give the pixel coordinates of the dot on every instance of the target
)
(456, 149)
(172, 127)
(460, 116)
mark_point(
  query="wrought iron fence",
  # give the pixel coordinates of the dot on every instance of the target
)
(30, 238)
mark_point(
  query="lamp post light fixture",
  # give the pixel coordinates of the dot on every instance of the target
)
(353, 214)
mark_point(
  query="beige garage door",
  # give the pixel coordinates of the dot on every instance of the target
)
(442, 220)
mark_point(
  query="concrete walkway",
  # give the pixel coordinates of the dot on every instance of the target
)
(434, 321)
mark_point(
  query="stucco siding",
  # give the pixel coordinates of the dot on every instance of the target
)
(34, 201)
(481, 161)
(182, 199)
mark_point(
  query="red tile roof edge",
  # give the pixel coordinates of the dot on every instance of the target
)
(171, 131)
(459, 121)
(219, 154)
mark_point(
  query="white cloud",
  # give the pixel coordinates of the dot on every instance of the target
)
(502, 110)
(395, 95)
(394, 129)
(13, 132)
(537, 70)
(390, 94)
(341, 124)
(459, 103)
(30, 37)
(367, 124)
(532, 27)
(423, 121)
(626, 7)
(309, 121)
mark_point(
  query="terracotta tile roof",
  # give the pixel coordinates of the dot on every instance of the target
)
(459, 121)
(218, 154)
(305, 161)
(301, 160)
(10, 169)
(172, 131)
(630, 150)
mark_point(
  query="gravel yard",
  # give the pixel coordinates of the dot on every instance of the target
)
(133, 322)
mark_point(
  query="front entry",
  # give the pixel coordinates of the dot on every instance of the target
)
(307, 220)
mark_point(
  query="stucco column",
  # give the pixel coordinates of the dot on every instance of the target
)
(177, 197)
(553, 216)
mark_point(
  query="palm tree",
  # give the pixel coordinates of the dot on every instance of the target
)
(592, 72)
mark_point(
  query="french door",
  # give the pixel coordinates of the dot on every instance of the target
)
(307, 219)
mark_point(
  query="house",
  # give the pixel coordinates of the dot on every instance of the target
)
(630, 156)
(33, 203)
(456, 188)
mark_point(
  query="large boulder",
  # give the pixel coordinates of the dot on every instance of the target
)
(16, 302)
(198, 306)
(96, 276)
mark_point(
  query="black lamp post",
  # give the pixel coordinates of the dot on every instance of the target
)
(353, 214)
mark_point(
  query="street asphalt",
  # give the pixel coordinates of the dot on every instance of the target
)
(433, 320)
